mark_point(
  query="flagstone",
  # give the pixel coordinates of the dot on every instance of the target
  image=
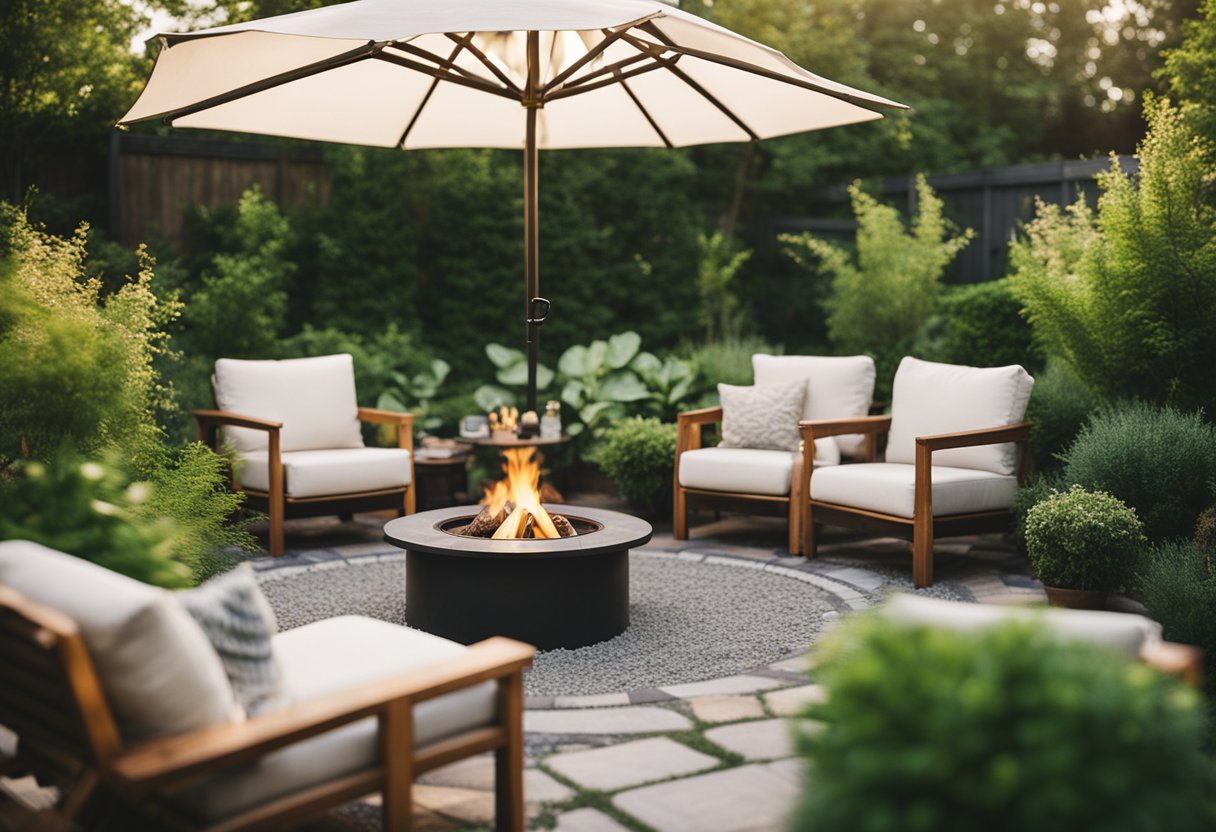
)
(726, 708)
(627, 720)
(630, 764)
(767, 739)
(750, 798)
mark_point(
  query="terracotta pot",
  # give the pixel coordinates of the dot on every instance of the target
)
(1077, 599)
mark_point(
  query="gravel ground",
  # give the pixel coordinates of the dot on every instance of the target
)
(689, 621)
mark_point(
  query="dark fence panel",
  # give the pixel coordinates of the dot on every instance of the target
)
(994, 202)
(153, 178)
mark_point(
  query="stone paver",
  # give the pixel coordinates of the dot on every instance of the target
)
(541, 788)
(745, 799)
(864, 578)
(721, 687)
(726, 708)
(797, 664)
(791, 701)
(768, 739)
(630, 720)
(587, 820)
(599, 701)
(630, 764)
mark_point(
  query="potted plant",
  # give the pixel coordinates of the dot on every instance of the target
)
(639, 454)
(1082, 545)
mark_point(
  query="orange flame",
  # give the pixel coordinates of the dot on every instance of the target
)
(521, 487)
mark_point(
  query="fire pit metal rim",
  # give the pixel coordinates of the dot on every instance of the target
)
(423, 532)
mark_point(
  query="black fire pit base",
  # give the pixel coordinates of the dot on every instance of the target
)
(567, 593)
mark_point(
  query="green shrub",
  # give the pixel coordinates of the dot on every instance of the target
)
(1078, 539)
(1178, 586)
(1158, 460)
(929, 730)
(94, 511)
(981, 325)
(1126, 296)
(1059, 407)
(721, 258)
(883, 293)
(639, 455)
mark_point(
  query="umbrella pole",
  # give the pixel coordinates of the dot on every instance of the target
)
(531, 211)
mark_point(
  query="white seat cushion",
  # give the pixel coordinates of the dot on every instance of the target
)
(314, 398)
(889, 487)
(1122, 632)
(155, 664)
(740, 470)
(330, 656)
(837, 387)
(930, 398)
(323, 473)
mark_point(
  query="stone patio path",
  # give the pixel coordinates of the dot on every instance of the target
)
(710, 756)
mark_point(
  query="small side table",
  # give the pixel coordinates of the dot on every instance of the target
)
(441, 481)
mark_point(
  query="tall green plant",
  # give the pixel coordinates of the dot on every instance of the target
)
(1125, 295)
(884, 290)
(721, 259)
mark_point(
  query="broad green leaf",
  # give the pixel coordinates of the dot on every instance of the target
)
(646, 363)
(387, 401)
(544, 377)
(680, 390)
(622, 347)
(440, 369)
(623, 386)
(573, 362)
(597, 355)
(573, 393)
(489, 397)
(573, 429)
(593, 411)
(503, 357)
(514, 375)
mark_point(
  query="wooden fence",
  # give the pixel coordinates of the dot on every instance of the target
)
(994, 202)
(153, 179)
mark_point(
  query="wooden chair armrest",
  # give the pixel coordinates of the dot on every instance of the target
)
(385, 417)
(703, 416)
(1181, 660)
(236, 420)
(820, 428)
(177, 758)
(1018, 432)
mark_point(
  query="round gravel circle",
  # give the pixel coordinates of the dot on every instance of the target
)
(689, 621)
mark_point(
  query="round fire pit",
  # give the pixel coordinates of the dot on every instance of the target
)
(567, 592)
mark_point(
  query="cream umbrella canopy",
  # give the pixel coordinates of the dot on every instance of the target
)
(531, 75)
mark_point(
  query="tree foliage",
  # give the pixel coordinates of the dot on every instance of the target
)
(1124, 295)
(1190, 70)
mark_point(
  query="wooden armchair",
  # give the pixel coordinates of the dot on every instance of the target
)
(376, 736)
(294, 425)
(773, 482)
(967, 489)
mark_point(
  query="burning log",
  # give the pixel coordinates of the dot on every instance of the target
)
(513, 526)
(564, 527)
(485, 523)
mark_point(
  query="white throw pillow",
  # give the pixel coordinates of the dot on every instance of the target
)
(314, 398)
(930, 398)
(838, 387)
(239, 623)
(157, 669)
(764, 417)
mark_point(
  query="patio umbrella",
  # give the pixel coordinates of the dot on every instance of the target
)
(531, 75)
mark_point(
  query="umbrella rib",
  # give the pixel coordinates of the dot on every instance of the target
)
(405, 134)
(591, 54)
(467, 42)
(444, 75)
(578, 83)
(856, 101)
(654, 124)
(370, 49)
(446, 64)
(566, 92)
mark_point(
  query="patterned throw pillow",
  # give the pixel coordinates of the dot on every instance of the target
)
(239, 622)
(764, 417)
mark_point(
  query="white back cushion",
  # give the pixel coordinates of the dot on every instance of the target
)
(157, 668)
(930, 398)
(314, 398)
(838, 387)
